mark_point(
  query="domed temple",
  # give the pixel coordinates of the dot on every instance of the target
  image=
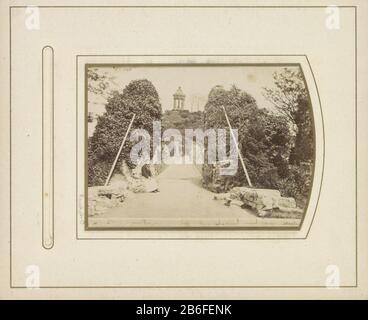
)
(179, 98)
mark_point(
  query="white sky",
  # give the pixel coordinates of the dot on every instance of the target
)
(195, 81)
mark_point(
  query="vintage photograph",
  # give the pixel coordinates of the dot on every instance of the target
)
(198, 146)
(184, 150)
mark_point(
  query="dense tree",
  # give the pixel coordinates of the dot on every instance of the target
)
(182, 119)
(289, 90)
(263, 137)
(303, 150)
(99, 82)
(273, 144)
(139, 97)
(290, 98)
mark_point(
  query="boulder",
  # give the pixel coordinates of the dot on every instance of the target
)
(284, 202)
(111, 192)
(259, 199)
(263, 201)
(102, 198)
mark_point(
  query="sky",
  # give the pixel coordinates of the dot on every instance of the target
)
(195, 81)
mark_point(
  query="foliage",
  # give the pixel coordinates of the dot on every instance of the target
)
(266, 141)
(264, 138)
(303, 150)
(290, 88)
(296, 184)
(139, 97)
(290, 98)
(97, 82)
(182, 119)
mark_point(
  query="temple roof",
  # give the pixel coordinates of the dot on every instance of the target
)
(179, 93)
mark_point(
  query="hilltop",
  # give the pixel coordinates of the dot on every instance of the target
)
(182, 119)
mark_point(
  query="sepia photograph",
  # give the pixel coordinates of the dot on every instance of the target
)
(191, 146)
(183, 150)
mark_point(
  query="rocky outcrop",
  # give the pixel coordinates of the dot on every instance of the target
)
(263, 201)
(100, 199)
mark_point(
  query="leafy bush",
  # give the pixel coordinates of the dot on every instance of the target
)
(182, 119)
(297, 184)
(264, 138)
(139, 97)
(274, 155)
(303, 149)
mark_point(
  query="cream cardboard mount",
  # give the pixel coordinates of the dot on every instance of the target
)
(71, 69)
